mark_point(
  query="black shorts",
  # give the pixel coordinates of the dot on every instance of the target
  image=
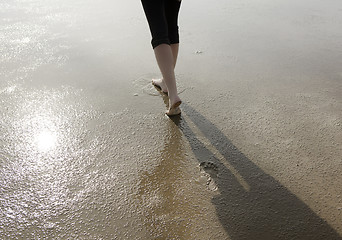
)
(162, 17)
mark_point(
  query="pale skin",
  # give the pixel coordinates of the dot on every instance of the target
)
(166, 56)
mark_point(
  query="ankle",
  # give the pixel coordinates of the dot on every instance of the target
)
(174, 99)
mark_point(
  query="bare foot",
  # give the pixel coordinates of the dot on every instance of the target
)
(174, 107)
(160, 84)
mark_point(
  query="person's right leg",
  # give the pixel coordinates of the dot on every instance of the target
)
(160, 83)
(155, 11)
(175, 50)
(171, 14)
(165, 60)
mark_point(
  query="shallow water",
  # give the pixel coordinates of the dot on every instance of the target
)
(87, 153)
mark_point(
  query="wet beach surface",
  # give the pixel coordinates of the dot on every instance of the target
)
(87, 153)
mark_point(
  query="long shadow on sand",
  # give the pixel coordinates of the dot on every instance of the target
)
(257, 207)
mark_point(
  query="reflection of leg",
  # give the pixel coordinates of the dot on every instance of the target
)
(165, 60)
(160, 83)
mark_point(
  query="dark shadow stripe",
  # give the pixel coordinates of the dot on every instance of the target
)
(268, 210)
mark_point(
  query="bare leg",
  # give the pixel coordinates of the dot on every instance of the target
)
(175, 49)
(166, 62)
(160, 83)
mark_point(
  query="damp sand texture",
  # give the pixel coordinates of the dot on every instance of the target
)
(86, 151)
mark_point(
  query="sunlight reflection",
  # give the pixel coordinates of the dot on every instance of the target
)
(46, 140)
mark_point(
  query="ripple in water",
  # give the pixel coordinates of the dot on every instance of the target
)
(144, 83)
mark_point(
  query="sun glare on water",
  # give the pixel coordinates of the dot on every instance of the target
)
(46, 140)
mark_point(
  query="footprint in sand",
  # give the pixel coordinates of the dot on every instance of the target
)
(210, 171)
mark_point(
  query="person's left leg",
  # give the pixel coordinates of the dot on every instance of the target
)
(157, 21)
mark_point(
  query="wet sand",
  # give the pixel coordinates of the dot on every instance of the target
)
(87, 153)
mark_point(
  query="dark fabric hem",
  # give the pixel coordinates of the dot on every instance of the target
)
(159, 42)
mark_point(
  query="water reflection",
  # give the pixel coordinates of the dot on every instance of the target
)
(161, 191)
(34, 175)
(39, 132)
(46, 140)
